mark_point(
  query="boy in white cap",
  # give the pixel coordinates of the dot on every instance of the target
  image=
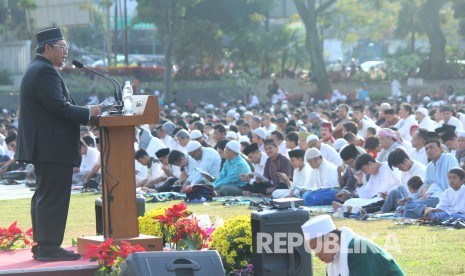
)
(346, 253)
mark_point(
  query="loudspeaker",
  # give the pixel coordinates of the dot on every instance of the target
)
(278, 243)
(178, 263)
(140, 201)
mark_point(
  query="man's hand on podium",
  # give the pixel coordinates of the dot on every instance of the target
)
(95, 110)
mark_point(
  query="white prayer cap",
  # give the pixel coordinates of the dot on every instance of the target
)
(192, 145)
(461, 134)
(248, 113)
(339, 143)
(312, 153)
(234, 146)
(423, 111)
(385, 106)
(426, 98)
(184, 114)
(231, 135)
(260, 132)
(231, 113)
(195, 134)
(195, 115)
(243, 138)
(318, 226)
(311, 138)
(313, 115)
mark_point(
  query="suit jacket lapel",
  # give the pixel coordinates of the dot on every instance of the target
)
(66, 92)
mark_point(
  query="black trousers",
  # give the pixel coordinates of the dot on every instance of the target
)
(168, 186)
(257, 188)
(50, 203)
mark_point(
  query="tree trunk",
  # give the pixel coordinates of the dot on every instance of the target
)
(429, 16)
(308, 14)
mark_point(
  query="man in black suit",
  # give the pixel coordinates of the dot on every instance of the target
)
(48, 137)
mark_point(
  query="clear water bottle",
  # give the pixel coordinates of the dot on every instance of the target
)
(127, 98)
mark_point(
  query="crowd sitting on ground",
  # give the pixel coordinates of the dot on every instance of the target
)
(384, 157)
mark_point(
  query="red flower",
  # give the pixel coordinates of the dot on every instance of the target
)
(109, 254)
(11, 235)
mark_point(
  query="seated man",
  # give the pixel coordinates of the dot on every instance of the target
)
(327, 151)
(399, 159)
(257, 182)
(301, 176)
(346, 253)
(436, 176)
(229, 181)
(374, 192)
(154, 174)
(207, 160)
(347, 176)
(89, 157)
(186, 165)
(323, 180)
(275, 165)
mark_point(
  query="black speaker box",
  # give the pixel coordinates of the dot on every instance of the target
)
(140, 201)
(174, 263)
(281, 226)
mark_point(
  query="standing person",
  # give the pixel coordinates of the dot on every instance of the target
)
(48, 137)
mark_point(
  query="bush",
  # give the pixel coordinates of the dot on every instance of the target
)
(233, 241)
(400, 65)
(148, 225)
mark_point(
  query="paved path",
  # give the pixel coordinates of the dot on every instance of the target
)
(18, 191)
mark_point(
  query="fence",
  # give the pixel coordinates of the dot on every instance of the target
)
(14, 57)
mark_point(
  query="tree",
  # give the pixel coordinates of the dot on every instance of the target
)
(430, 18)
(199, 46)
(89, 36)
(309, 13)
(408, 22)
(166, 14)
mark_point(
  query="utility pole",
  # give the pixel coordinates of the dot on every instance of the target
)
(125, 34)
(107, 4)
(116, 32)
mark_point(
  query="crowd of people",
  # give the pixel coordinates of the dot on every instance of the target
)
(386, 157)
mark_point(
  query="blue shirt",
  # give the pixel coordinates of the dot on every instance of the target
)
(436, 172)
(231, 171)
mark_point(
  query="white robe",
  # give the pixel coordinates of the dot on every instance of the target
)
(428, 123)
(403, 126)
(301, 179)
(330, 154)
(453, 122)
(452, 201)
(384, 181)
(325, 176)
(419, 155)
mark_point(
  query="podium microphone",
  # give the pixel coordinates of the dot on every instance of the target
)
(118, 91)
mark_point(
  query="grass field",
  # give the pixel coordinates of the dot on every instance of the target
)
(420, 250)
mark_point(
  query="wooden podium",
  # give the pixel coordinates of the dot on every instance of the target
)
(117, 137)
